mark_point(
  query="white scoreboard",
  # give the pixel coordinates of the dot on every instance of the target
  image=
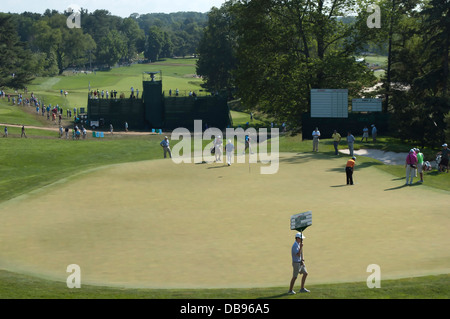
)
(366, 105)
(329, 103)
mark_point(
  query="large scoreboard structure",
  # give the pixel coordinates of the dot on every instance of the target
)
(329, 103)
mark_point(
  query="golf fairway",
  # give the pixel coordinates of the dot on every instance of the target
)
(158, 224)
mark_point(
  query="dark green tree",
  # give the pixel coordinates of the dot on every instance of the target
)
(16, 63)
(217, 50)
(155, 43)
(287, 48)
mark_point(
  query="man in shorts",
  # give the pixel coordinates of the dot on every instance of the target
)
(298, 264)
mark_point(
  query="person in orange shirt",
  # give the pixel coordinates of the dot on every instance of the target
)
(349, 170)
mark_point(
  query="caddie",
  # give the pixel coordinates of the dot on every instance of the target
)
(298, 264)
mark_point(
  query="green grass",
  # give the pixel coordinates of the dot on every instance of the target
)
(42, 159)
(18, 286)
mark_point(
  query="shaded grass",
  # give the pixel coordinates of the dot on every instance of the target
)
(18, 286)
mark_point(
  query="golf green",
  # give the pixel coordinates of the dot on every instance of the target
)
(165, 225)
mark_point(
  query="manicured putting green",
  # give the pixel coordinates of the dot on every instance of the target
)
(166, 225)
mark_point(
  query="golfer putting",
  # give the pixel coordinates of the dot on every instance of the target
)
(299, 222)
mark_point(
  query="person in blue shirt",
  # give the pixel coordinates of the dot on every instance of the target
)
(298, 264)
(165, 145)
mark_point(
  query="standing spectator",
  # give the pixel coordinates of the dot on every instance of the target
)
(229, 148)
(23, 132)
(218, 148)
(126, 126)
(374, 133)
(315, 136)
(111, 129)
(248, 144)
(60, 131)
(445, 152)
(419, 164)
(6, 132)
(83, 130)
(336, 139)
(410, 165)
(365, 134)
(66, 130)
(298, 264)
(350, 142)
(165, 145)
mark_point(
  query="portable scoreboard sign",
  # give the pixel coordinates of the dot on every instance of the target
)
(301, 221)
(366, 105)
(329, 103)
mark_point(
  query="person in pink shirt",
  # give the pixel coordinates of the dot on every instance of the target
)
(411, 165)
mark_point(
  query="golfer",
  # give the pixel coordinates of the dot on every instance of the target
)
(349, 170)
(420, 164)
(248, 145)
(218, 148)
(165, 145)
(298, 264)
(410, 165)
(350, 142)
(229, 148)
(315, 136)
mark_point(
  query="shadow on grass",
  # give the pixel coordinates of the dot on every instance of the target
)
(357, 167)
(402, 186)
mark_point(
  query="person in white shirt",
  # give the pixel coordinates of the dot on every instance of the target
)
(218, 148)
(229, 148)
(316, 135)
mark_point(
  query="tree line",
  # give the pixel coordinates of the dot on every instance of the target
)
(271, 53)
(102, 41)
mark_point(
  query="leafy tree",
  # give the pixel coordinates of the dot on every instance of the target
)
(16, 67)
(420, 75)
(217, 50)
(155, 42)
(286, 48)
(111, 48)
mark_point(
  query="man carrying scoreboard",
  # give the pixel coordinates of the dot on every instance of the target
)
(299, 222)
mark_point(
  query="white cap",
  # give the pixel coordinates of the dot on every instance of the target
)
(300, 235)
(445, 144)
(411, 150)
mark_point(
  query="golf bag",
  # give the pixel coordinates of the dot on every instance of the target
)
(438, 161)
